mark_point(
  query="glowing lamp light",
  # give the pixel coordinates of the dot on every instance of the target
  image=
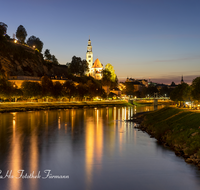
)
(15, 41)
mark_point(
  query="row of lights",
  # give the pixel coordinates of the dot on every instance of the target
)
(15, 41)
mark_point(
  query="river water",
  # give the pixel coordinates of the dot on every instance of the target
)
(88, 149)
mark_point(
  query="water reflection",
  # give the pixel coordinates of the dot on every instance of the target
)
(15, 162)
(94, 146)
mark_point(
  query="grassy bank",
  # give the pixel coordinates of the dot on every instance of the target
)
(32, 106)
(176, 128)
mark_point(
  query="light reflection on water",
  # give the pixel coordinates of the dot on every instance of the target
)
(95, 147)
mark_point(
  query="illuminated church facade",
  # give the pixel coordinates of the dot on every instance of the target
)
(96, 68)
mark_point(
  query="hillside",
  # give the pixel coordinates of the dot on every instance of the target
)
(17, 59)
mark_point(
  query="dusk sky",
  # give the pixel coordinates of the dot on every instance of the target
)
(142, 39)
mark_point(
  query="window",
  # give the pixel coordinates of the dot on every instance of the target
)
(89, 60)
(89, 56)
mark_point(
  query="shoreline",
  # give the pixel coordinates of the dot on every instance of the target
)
(37, 106)
(176, 129)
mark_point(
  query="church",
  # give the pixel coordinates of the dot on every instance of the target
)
(95, 69)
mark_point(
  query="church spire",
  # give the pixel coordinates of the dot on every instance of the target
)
(182, 81)
(89, 47)
(89, 57)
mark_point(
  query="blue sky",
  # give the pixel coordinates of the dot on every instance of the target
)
(156, 39)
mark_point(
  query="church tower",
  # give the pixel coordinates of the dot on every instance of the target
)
(182, 81)
(89, 57)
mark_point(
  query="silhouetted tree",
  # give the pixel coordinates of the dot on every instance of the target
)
(106, 79)
(5, 88)
(16, 93)
(94, 88)
(143, 92)
(181, 93)
(78, 66)
(47, 54)
(173, 84)
(151, 90)
(164, 91)
(3, 28)
(31, 89)
(57, 90)
(82, 90)
(115, 83)
(33, 41)
(21, 34)
(195, 89)
(47, 86)
(129, 88)
(51, 58)
(54, 60)
(69, 89)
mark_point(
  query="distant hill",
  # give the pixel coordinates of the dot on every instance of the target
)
(21, 60)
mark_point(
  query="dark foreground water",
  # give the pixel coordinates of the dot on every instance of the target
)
(89, 149)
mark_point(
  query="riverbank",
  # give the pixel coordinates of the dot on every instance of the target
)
(175, 128)
(151, 102)
(36, 106)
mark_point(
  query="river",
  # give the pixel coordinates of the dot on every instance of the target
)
(86, 149)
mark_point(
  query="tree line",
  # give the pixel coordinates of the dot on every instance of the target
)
(85, 88)
(184, 92)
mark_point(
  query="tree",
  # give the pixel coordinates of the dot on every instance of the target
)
(195, 89)
(112, 71)
(3, 28)
(151, 90)
(94, 88)
(69, 89)
(82, 90)
(181, 93)
(173, 84)
(47, 54)
(5, 87)
(33, 41)
(164, 91)
(54, 60)
(57, 90)
(31, 89)
(21, 34)
(16, 93)
(78, 66)
(129, 88)
(50, 57)
(47, 86)
(83, 67)
(106, 79)
(115, 83)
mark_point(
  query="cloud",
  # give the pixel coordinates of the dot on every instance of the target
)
(179, 59)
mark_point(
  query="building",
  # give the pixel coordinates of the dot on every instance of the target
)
(95, 69)
(18, 80)
(137, 84)
(182, 81)
(89, 57)
(116, 91)
(144, 82)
